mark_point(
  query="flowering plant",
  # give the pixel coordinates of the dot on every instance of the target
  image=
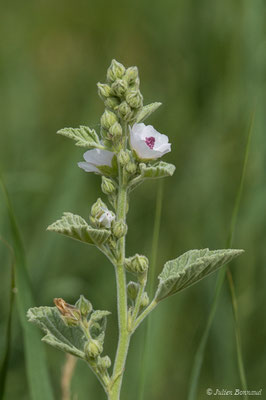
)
(125, 154)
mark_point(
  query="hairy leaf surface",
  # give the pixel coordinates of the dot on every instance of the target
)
(160, 170)
(83, 136)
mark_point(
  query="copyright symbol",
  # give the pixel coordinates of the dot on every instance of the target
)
(209, 392)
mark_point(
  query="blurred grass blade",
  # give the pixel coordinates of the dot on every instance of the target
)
(198, 360)
(146, 350)
(4, 367)
(37, 371)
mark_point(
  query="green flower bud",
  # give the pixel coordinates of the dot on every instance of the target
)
(115, 71)
(108, 119)
(123, 157)
(119, 87)
(124, 111)
(119, 229)
(131, 167)
(104, 90)
(104, 363)
(84, 306)
(93, 348)
(132, 290)
(134, 99)
(137, 264)
(107, 185)
(116, 130)
(112, 102)
(145, 300)
(131, 75)
(97, 207)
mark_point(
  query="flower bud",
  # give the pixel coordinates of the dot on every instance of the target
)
(104, 90)
(145, 300)
(107, 185)
(112, 102)
(97, 207)
(119, 229)
(123, 157)
(115, 71)
(131, 167)
(116, 130)
(131, 75)
(134, 98)
(119, 87)
(132, 290)
(104, 363)
(84, 306)
(124, 111)
(137, 264)
(108, 119)
(93, 348)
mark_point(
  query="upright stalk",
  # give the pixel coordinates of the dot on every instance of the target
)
(124, 335)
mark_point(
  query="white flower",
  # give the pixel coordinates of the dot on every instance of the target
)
(106, 218)
(96, 158)
(147, 142)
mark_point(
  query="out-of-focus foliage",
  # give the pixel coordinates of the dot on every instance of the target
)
(206, 62)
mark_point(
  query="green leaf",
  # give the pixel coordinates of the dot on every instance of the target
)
(160, 170)
(83, 136)
(36, 366)
(76, 227)
(191, 267)
(146, 111)
(70, 339)
(98, 315)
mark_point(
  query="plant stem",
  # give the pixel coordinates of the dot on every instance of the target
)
(124, 335)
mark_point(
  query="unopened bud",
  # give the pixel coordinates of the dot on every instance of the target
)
(124, 111)
(108, 119)
(135, 99)
(123, 157)
(119, 229)
(131, 167)
(93, 348)
(84, 306)
(97, 207)
(132, 290)
(119, 87)
(137, 264)
(116, 130)
(107, 185)
(112, 102)
(104, 363)
(145, 300)
(104, 90)
(131, 75)
(115, 71)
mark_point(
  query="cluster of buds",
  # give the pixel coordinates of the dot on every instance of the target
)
(101, 216)
(121, 96)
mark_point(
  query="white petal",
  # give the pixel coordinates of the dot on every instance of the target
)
(99, 157)
(88, 167)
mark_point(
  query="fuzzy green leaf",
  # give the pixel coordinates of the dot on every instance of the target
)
(98, 315)
(70, 339)
(191, 267)
(83, 136)
(146, 111)
(75, 227)
(160, 170)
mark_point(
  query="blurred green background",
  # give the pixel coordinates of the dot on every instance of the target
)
(206, 61)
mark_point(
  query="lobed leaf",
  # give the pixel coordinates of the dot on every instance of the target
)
(83, 136)
(146, 111)
(70, 339)
(191, 267)
(76, 227)
(161, 170)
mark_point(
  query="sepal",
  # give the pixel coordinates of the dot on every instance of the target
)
(191, 267)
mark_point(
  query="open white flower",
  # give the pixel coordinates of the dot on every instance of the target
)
(106, 218)
(147, 142)
(96, 158)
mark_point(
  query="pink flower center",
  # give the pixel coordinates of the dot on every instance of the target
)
(150, 141)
